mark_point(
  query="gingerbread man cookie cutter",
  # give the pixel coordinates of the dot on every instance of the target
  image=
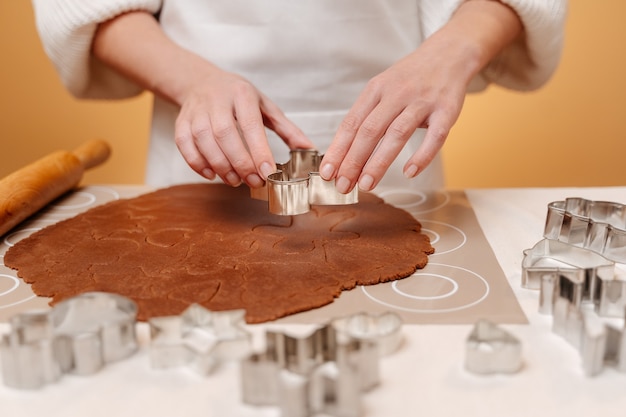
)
(79, 335)
(297, 185)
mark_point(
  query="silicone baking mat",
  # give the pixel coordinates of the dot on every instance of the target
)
(462, 282)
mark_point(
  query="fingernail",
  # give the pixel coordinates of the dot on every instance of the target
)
(366, 183)
(232, 179)
(411, 171)
(267, 169)
(327, 171)
(254, 181)
(342, 184)
(208, 173)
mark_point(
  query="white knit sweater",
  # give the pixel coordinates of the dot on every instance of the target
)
(66, 28)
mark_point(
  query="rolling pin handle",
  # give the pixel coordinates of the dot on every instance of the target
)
(27, 190)
(92, 153)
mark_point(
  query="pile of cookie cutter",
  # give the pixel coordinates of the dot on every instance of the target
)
(198, 338)
(79, 336)
(575, 270)
(324, 372)
(492, 350)
(297, 185)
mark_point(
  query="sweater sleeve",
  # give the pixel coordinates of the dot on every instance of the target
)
(530, 61)
(66, 29)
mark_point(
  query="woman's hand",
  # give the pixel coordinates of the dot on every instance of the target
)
(220, 130)
(424, 89)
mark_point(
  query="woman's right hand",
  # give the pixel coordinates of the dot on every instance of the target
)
(220, 130)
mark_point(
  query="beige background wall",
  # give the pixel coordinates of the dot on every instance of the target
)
(570, 133)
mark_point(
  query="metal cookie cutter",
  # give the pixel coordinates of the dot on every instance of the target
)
(596, 225)
(297, 184)
(490, 349)
(382, 329)
(323, 372)
(305, 376)
(599, 344)
(198, 338)
(559, 269)
(79, 335)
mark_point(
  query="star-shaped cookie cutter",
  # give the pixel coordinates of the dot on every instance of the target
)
(322, 372)
(297, 184)
(198, 338)
(79, 335)
(599, 226)
(489, 349)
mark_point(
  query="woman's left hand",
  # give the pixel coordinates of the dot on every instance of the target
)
(425, 89)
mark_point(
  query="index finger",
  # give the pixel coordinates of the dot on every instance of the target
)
(250, 121)
(347, 132)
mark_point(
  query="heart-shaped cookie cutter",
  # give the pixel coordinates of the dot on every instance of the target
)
(297, 185)
(489, 349)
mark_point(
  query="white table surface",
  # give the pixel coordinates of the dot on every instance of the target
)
(425, 378)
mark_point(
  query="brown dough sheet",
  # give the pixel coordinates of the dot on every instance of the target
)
(213, 245)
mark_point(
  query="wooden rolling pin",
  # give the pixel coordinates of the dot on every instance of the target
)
(27, 190)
